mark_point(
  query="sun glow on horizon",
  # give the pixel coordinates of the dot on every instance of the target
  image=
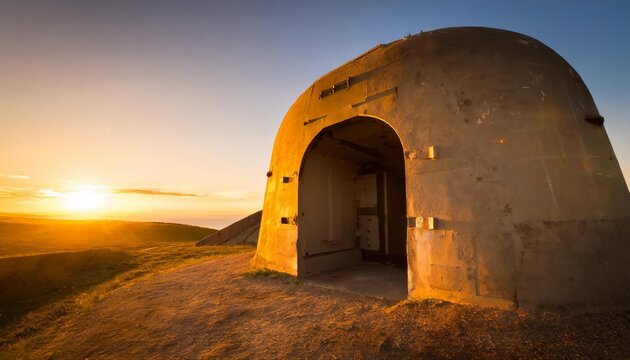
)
(69, 199)
(85, 198)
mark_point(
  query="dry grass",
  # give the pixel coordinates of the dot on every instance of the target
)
(39, 292)
(139, 302)
(210, 310)
(266, 273)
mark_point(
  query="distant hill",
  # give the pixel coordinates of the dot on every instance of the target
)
(31, 235)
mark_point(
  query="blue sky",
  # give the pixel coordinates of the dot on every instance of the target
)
(186, 96)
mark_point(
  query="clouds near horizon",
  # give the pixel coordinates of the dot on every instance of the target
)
(15, 176)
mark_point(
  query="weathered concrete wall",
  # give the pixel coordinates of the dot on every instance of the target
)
(531, 203)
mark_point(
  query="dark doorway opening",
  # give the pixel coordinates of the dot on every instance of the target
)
(352, 205)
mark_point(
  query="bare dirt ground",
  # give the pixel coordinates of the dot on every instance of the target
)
(211, 310)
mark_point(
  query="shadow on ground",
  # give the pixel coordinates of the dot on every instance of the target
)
(28, 283)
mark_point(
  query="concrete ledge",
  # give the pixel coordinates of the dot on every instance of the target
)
(245, 228)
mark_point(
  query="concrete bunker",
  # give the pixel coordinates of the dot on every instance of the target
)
(351, 198)
(513, 195)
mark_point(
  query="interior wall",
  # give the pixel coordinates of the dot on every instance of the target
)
(327, 207)
(327, 221)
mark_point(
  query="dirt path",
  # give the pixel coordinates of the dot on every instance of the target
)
(210, 310)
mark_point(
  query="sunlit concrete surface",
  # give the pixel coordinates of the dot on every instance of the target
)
(476, 156)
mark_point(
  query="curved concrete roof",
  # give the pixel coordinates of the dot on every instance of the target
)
(524, 162)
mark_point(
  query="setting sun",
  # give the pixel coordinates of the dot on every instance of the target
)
(84, 199)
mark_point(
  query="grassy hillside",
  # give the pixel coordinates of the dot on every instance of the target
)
(23, 236)
(50, 269)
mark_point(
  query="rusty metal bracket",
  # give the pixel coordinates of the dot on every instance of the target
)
(312, 120)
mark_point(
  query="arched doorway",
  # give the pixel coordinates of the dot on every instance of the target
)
(351, 200)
